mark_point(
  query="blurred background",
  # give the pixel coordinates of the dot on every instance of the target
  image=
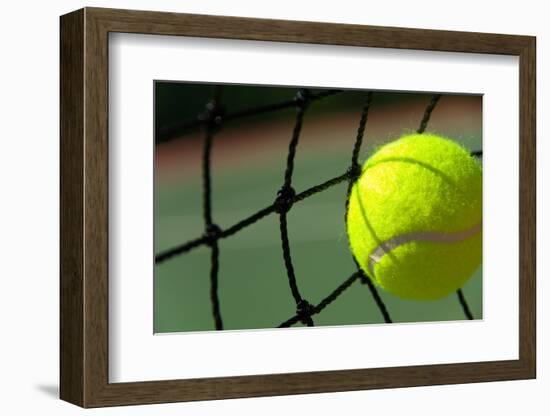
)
(248, 163)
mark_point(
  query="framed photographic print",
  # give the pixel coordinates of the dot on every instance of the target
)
(256, 207)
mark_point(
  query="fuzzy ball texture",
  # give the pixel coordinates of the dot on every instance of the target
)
(414, 217)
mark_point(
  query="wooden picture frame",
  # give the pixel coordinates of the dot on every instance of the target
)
(84, 207)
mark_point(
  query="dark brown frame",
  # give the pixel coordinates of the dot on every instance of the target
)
(84, 213)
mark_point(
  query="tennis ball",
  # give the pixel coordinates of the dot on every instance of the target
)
(414, 217)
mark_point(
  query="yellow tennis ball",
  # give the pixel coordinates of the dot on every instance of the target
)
(414, 217)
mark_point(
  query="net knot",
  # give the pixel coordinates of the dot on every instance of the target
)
(212, 234)
(354, 172)
(304, 310)
(363, 278)
(302, 98)
(285, 199)
(213, 114)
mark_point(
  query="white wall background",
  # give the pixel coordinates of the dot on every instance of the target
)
(29, 206)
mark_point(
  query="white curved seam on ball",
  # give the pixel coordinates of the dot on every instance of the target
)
(421, 236)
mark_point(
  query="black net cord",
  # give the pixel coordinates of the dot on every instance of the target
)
(428, 113)
(354, 173)
(326, 301)
(213, 118)
(377, 299)
(464, 304)
(206, 178)
(252, 219)
(283, 203)
(214, 298)
(176, 130)
(355, 168)
(285, 243)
